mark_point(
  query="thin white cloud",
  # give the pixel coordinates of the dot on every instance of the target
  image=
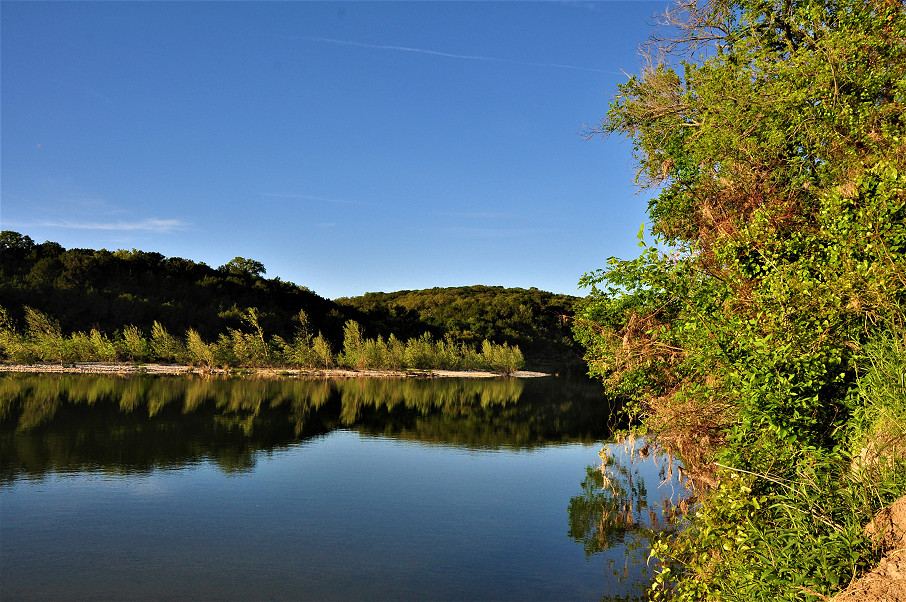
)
(307, 197)
(467, 57)
(147, 225)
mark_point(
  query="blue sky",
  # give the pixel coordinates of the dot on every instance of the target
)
(350, 147)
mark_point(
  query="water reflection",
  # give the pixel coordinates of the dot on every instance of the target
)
(477, 509)
(618, 509)
(70, 423)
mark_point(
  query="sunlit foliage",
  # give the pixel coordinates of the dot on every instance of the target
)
(772, 135)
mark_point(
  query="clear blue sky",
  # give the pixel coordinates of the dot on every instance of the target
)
(350, 147)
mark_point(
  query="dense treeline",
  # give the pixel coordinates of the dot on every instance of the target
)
(761, 333)
(119, 294)
(535, 320)
(86, 288)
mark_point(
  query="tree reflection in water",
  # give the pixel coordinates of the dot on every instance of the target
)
(616, 510)
(68, 423)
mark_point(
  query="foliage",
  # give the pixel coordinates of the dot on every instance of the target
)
(45, 341)
(877, 429)
(773, 133)
(244, 267)
(197, 351)
(770, 538)
(424, 353)
(85, 289)
(535, 320)
(353, 355)
(164, 345)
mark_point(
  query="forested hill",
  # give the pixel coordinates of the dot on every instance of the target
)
(87, 288)
(108, 290)
(535, 320)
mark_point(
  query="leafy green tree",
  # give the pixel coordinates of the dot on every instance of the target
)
(353, 355)
(164, 345)
(420, 352)
(244, 267)
(321, 352)
(12, 344)
(103, 348)
(197, 351)
(250, 348)
(396, 353)
(46, 335)
(135, 347)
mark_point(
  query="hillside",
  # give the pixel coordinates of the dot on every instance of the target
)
(86, 289)
(537, 321)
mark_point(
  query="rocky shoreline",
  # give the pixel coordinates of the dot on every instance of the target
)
(176, 370)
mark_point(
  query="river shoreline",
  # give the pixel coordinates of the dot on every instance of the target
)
(176, 370)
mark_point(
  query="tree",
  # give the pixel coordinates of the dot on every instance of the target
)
(14, 247)
(243, 267)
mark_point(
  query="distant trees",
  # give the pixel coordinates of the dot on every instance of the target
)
(146, 292)
(537, 321)
(43, 340)
(243, 267)
(87, 288)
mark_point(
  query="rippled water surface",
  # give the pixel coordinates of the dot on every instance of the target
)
(358, 489)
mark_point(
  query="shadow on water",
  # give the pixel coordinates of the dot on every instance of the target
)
(70, 423)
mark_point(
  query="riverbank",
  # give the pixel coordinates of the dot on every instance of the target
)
(175, 370)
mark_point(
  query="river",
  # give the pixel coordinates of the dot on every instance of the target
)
(358, 489)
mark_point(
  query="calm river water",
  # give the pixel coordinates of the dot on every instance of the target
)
(178, 488)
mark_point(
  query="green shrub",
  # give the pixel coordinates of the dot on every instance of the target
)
(135, 346)
(78, 347)
(420, 352)
(13, 345)
(322, 355)
(353, 354)
(396, 353)
(104, 350)
(165, 346)
(45, 336)
(197, 351)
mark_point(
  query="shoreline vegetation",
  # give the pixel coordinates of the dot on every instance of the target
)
(113, 292)
(123, 369)
(43, 344)
(760, 335)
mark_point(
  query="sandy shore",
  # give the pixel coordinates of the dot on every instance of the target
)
(168, 369)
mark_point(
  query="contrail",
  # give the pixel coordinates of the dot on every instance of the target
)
(467, 57)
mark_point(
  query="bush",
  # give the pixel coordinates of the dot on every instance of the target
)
(322, 355)
(353, 355)
(197, 351)
(45, 336)
(134, 345)
(165, 346)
